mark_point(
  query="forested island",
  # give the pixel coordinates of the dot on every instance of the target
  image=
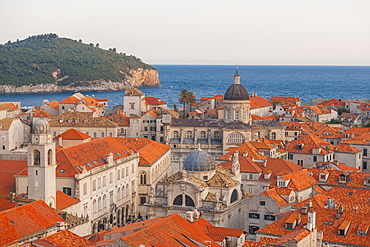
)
(47, 62)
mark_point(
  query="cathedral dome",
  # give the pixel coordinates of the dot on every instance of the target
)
(41, 126)
(236, 91)
(199, 161)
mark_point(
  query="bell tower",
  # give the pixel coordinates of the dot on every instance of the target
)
(42, 164)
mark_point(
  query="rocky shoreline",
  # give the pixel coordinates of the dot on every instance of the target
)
(139, 78)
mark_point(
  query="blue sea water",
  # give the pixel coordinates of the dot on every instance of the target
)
(306, 82)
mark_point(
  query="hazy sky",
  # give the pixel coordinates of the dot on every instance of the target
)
(204, 31)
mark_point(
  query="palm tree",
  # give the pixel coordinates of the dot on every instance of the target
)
(191, 98)
(183, 98)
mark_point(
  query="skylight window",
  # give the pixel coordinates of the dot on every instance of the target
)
(81, 166)
(100, 160)
(88, 164)
(118, 154)
(61, 171)
(94, 162)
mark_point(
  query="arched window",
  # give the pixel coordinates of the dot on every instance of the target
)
(234, 196)
(128, 190)
(273, 136)
(94, 206)
(36, 157)
(50, 153)
(123, 192)
(216, 134)
(236, 139)
(104, 201)
(178, 200)
(175, 134)
(189, 202)
(189, 134)
(202, 135)
(119, 193)
(143, 178)
(99, 203)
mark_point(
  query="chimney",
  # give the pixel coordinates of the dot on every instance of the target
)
(264, 163)
(60, 226)
(196, 214)
(330, 203)
(355, 209)
(189, 216)
(311, 225)
(110, 158)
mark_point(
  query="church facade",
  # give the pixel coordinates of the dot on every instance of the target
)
(217, 135)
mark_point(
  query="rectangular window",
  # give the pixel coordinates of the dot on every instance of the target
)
(102, 134)
(269, 217)
(253, 229)
(364, 165)
(110, 133)
(94, 134)
(254, 216)
(118, 175)
(262, 203)
(364, 152)
(132, 106)
(290, 156)
(250, 176)
(54, 134)
(142, 200)
(94, 185)
(145, 128)
(315, 158)
(300, 162)
(99, 183)
(85, 189)
(67, 190)
(286, 133)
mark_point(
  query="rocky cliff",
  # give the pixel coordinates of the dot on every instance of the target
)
(144, 78)
(140, 78)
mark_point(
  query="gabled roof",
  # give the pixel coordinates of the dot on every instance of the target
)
(41, 113)
(333, 102)
(172, 230)
(307, 143)
(247, 165)
(318, 109)
(273, 193)
(221, 180)
(149, 150)
(19, 222)
(6, 123)
(356, 131)
(66, 238)
(364, 106)
(237, 125)
(362, 139)
(91, 101)
(355, 179)
(298, 180)
(64, 200)
(72, 134)
(70, 100)
(75, 159)
(344, 148)
(258, 102)
(218, 97)
(154, 101)
(243, 150)
(9, 168)
(349, 198)
(133, 92)
(8, 107)
(327, 223)
(54, 104)
(284, 98)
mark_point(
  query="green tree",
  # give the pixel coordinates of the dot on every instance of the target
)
(191, 98)
(183, 98)
(334, 121)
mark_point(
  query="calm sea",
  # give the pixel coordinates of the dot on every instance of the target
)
(306, 82)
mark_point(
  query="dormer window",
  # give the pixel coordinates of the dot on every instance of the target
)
(300, 146)
(282, 183)
(342, 178)
(289, 226)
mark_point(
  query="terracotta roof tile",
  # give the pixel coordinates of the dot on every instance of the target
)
(9, 168)
(257, 102)
(298, 180)
(154, 101)
(64, 200)
(150, 151)
(343, 148)
(70, 100)
(283, 98)
(275, 196)
(25, 220)
(67, 238)
(307, 143)
(41, 113)
(6, 123)
(72, 134)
